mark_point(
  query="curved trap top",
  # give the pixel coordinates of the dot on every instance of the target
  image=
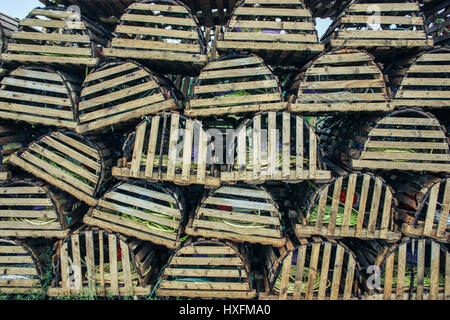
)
(20, 269)
(426, 83)
(280, 31)
(207, 269)
(162, 33)
(340, 81)
(241, 213)
(404, 140)
(235, 83)
(413, 269)
(40, 95)
(379, 27)
(355, 205)
(274, 146)
(314, 269)
(424, 202)
(169, 147)
(120, 92)
(101, 263)
(73, 163)
(31, 208)
(56, 35)
(144, 210)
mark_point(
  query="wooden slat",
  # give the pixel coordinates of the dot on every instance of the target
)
(420, 267)
(173, 141)
(151, 150)
(138, 149)
(348, 203)
(112, 244)
(298, 283)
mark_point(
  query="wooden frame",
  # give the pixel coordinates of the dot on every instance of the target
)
(345, 80)
(207, 268)
(76, 164)
(147, 211)
(369, 25)
(180, 49)
(233, 84)
(155, 152)
(297, 271)
(11, 140)
(120, 92)
(424, 83)
(404, 140)
(20, 269)
(241, 213)
(123, 266)
(393, 268)
(31, 208)
(437, 21)
(423, 205)
(280, 31)
(326, 8)
(40, 95)
(355, 205)
(54, 35)
(7, 26)
(299, 158)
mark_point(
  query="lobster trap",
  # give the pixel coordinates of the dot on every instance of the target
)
(403, 140)
(314, 269)
(424, 82)
(40, 95)
(437, 15)
(30, 208)
(413, 269)
(79, 165)
(147, 211)
(345, 80)
(120, 92)
(7, 26)
(423, 204)
(235, 83)
(354, 205)
(169, 147)
(56, 35)
(164, 34)
(274, 146)
(21, 269)
(207, 268)
(280, 31)
(241, 213)
(384, 27)
(101, 263)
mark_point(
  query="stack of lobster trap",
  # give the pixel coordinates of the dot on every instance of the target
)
(224, 151)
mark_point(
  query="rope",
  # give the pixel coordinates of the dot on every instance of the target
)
(291, 284)
(409, 271)
(241, 224)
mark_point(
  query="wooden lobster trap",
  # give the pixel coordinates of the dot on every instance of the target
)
(424, 83)
(340, 81)
(21, 269)
(326, 8)
(56, 35)
(162, 33)
(7, 26)
(144, 210)
(274, 146)
(235, 83)
(354, 205)
(79, 165)
(120, 92)
(40, 95)
(207, 268)
(437, 16)
(169, 147)
(282, 32)
(314, 269)
(241, 213)
(11, 140)
(30, 208)
(413, 269)
(99, 263)
(404, 140)
(423, 204)
(385, 27)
